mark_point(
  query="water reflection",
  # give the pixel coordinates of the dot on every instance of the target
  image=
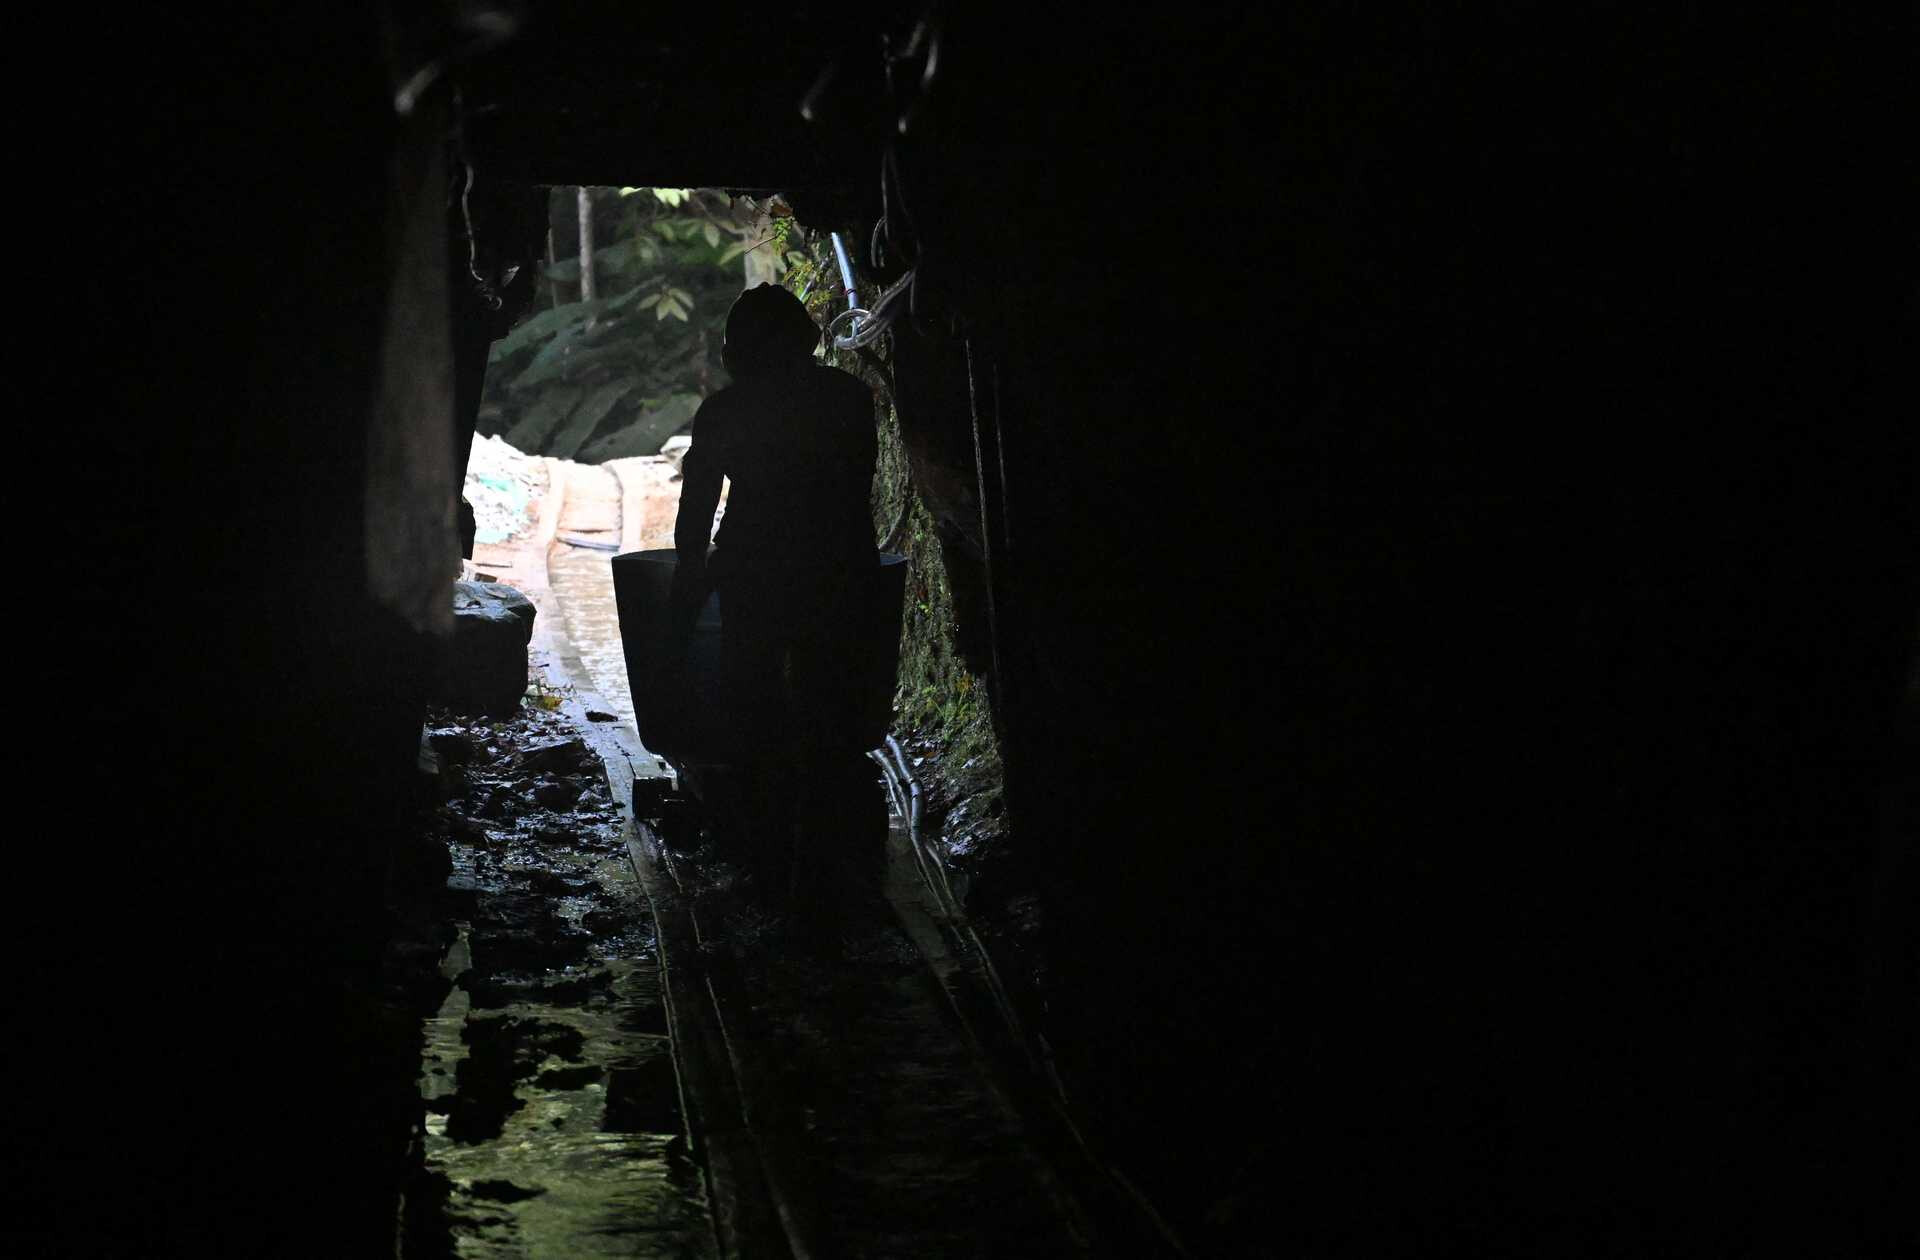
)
(553, 1125)
(582, 583)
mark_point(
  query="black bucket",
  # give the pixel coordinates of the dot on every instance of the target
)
(690, 726)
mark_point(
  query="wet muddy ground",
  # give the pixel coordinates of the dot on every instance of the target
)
(841, 1100)
(882, 1128)
(553, 1121)
(582, 579)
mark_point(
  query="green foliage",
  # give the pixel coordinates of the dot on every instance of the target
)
(938, 695)
(666, 266)
(542, 417)
(586, 417)
(669, 301)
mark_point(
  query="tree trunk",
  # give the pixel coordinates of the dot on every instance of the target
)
(553, 286)
(586, 245)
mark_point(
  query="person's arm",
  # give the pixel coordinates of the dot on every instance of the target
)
(700, 476)
(701, 472)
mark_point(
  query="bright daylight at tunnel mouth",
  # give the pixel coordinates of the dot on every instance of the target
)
(952, 631)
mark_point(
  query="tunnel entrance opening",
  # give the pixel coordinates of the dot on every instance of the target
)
(577, 444)
(622, 337)
(588, 397)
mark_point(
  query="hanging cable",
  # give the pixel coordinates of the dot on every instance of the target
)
(871, 325)
(846, 279)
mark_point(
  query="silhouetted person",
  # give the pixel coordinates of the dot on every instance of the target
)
(795, 551)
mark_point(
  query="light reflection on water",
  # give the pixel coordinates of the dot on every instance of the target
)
(582, 582)
(588, 1159)
(588, 1192)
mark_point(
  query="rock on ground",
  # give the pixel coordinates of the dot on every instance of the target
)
(484, 667)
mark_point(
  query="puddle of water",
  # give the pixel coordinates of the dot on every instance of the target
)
(588, 1162)
(553, 1125)
(582, 582)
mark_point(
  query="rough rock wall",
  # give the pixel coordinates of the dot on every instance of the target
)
(1504, 698)
(245, 714)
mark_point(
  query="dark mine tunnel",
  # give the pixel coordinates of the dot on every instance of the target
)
(1424, 501)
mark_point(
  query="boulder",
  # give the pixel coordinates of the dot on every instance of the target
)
(560, 755)
(484, 667)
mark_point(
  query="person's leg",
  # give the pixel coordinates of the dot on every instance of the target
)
(754, 691)
(840, 783)
(752, 688)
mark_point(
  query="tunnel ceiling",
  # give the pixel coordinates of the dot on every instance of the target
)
(635, 95)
